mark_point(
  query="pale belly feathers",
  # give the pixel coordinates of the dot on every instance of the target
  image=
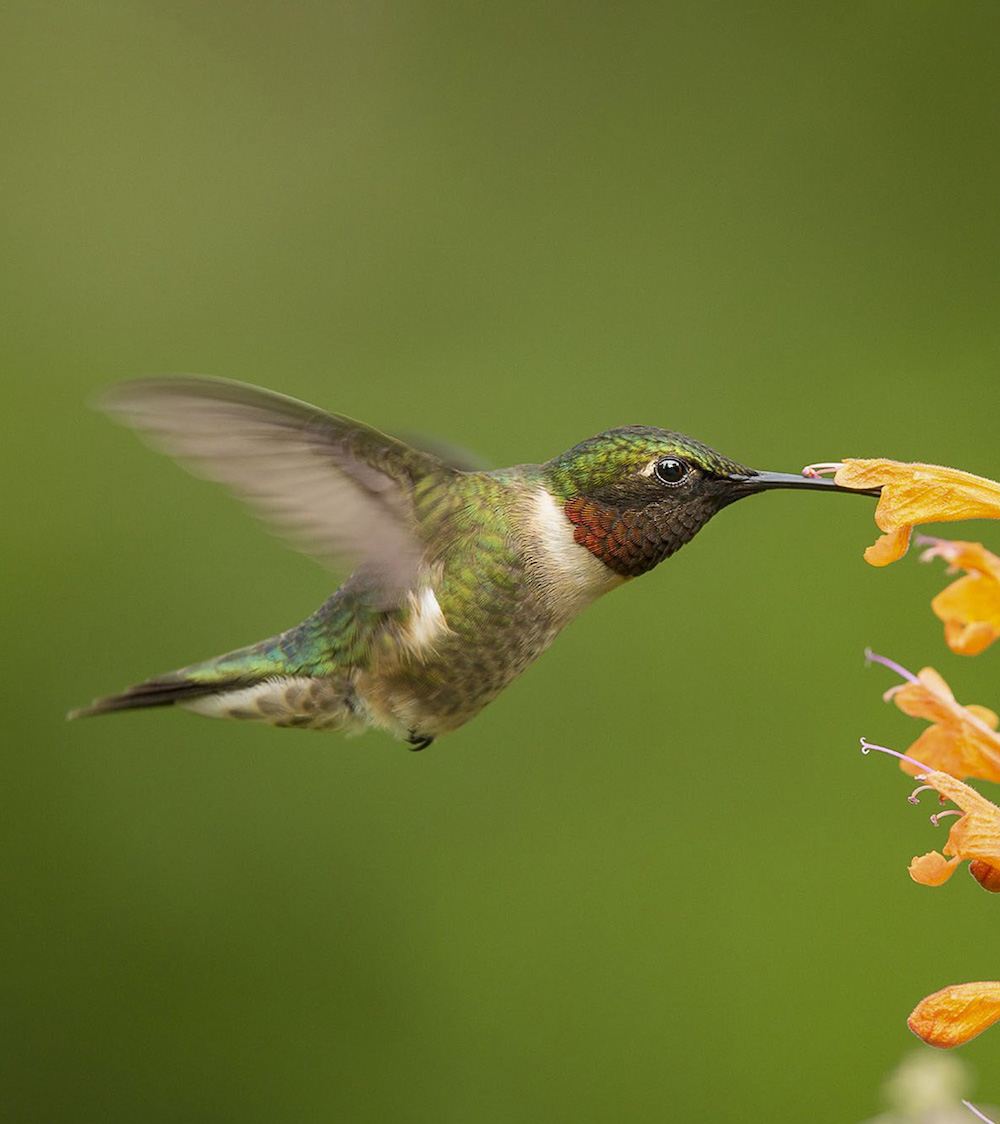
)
(444, 672)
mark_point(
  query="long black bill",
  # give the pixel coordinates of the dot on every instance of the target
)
(765, 481)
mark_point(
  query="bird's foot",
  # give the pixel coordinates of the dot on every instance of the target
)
(417, 742)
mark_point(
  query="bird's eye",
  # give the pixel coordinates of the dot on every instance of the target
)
(670, 470)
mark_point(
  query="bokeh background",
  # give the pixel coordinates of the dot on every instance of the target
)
(655, 880)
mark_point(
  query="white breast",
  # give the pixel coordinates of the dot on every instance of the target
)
(569, 573)
(426, 625)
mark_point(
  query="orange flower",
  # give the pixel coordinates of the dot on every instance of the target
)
(975, 835)
(969, 607)
(933, 869)
(962, 740)
(956, 1014)
(911, 494)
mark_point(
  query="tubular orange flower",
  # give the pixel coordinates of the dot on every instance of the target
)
(976, 832)
(956, 1014)
(969, 607)
(911, 494)
(975, 835)
(961, 740)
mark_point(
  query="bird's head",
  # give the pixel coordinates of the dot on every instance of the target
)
(635, 495)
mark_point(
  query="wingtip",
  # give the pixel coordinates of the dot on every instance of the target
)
(83, 712)
(145, 390)
(122, 397)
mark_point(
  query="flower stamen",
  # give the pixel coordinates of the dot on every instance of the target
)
(914, 797)
(874, 657)
(867, 747)
(822, 468)
(937, 816)
(975, 1111)
(936, 548)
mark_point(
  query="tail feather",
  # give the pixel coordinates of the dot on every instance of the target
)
(164, 691)
(298, 652)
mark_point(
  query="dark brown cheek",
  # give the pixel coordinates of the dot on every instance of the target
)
(626, 541)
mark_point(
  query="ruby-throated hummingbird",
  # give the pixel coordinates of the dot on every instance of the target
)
(461, 578)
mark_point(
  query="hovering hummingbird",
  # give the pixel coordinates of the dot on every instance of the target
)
(461, 578)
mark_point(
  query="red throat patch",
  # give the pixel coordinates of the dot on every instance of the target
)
(626, 541)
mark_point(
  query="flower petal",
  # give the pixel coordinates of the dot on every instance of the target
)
(984, 714)
(961, 740)
(976, 833)
(938, 747)
(956, 1014)
(959, 555)
(917, 493)
(969, 639)
(888, 547)
(932, 869)
(970, 609)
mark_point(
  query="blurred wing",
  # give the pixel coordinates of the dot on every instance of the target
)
(454, 456)
(337, 489)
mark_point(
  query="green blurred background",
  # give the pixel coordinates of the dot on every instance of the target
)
(655, 880)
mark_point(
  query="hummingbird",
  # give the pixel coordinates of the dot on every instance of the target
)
(459, 578)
